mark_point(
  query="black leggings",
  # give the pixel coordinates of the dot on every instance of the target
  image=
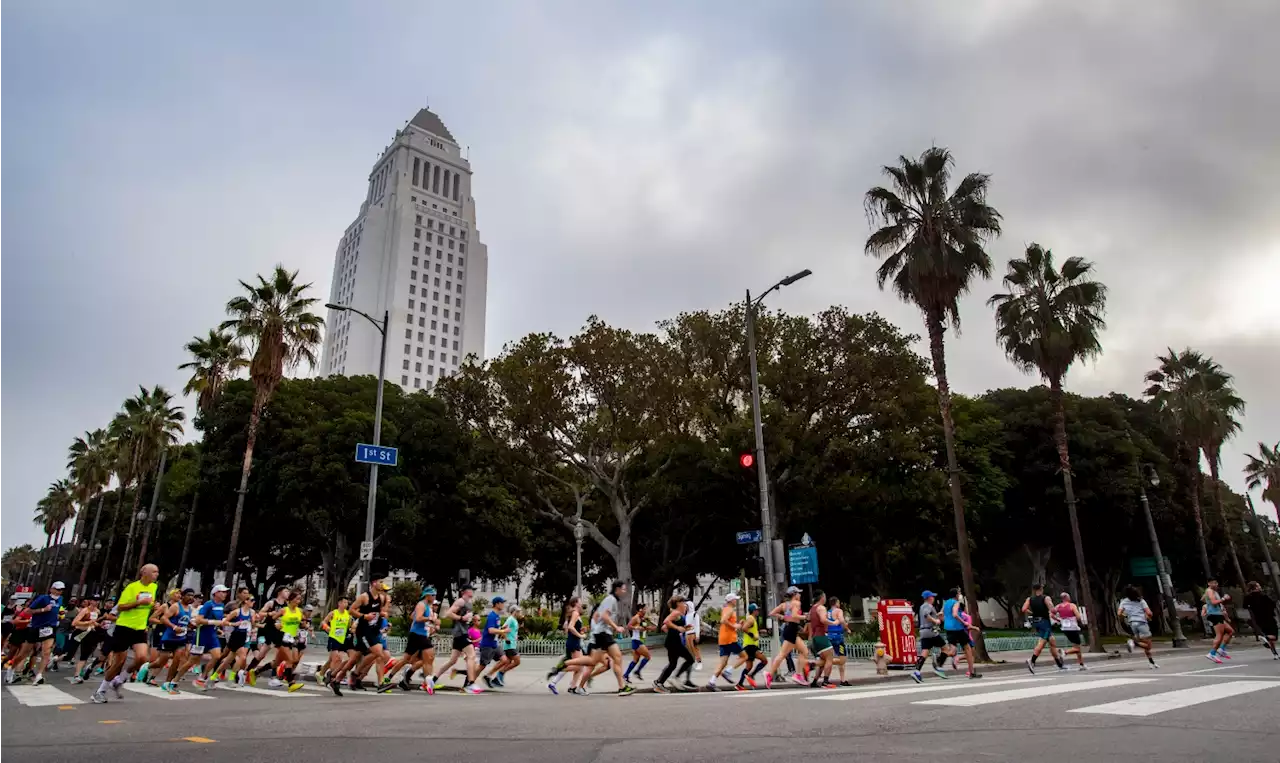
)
(676, 651)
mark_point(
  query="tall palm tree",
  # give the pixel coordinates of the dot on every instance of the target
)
(52, 514)
(150, 424)
(1175, 388)
(1048, 320)
(1263, 471)
(274, 316)
(89, 460)
(932, 243)
(215, 361)
(18, 561)
(1221, 407)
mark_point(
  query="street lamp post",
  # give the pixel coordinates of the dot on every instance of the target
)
(1262, 538)
(766, 519)
(579, 532)
(88, 557)
(372, 505)
(1162, 572)
(151, 512)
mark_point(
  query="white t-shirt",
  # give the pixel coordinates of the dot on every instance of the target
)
(598, 624)
(694, 620)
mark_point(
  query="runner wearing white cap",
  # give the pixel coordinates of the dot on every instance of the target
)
(728, 639)
(792, 615)
(40, 634)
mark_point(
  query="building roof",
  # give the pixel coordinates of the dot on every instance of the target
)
(427, 120)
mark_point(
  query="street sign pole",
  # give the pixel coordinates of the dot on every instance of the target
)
(372, 505)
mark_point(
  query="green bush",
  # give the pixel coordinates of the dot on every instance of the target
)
(539, 626)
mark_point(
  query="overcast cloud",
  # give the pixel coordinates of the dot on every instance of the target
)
(632, 160)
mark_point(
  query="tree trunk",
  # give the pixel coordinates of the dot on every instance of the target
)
(88, 552)
(259, 400)
(934, 325)
(1064, 464)
(1196, 481)
(44, 557)
(57, 554)
(1222, 513)
(111, 538)
(128, 545)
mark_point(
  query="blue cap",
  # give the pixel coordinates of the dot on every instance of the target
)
(927, 593)
(429, 591)
(499, 600)
(752, 607)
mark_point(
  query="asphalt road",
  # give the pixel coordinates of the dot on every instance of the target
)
(1190, 709)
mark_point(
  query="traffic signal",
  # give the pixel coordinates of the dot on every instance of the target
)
(747, 460)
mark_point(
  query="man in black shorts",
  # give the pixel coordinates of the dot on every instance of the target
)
(1262, 608)
(367, 612)
(930, 622)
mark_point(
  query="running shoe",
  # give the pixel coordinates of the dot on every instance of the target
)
(751, 681)
(740, 687)
(115, 688)
(253, 677)
(499, 681)
(383, 687)
(974, 675)
(473, 689)
(915, 676)
(39, 680)
(768, 680)
(798, 679)
(99, 670)
(1129, 645)
(627, 690)
(429, 687)
(1151, 665)
(404, 684)
(76, 679)
(200, 683)
(488, 681)
(1223, 653)
(657, 688)
(690, 685)
(295, 686)
(638, 676)
(333, 685)
(1214, 657)
(1083, 666)
(172, 687)
(573, 690)
(582, 691)
(697, 666)
(98, 698)
(1031, 667)
(552, 688)
(941, 673)
(275, 683)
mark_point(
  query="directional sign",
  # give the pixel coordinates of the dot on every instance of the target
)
(803, 561)
(366, 550)
(376, 454)
(749, 536)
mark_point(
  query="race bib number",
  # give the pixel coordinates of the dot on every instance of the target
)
(144, 597)
(288, 639)
(197, 649)
(179, 631)
(46, 631)
(244, 625)
(262, 640)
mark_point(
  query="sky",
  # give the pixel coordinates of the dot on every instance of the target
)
(632, 160)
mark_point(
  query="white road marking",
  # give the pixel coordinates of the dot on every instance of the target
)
(268, 692)
(930, 687)
(42, 696)
(1174, 700)
(1210, 670)
(1031, 692)
(158, 693)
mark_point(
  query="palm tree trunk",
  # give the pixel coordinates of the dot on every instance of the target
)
(88, 552)
(259, 400)
(1222, 513)
(934, 325)
(191, 520)
(57, 552)
(42, 567)
(111, 539)
(1196, 482)
(128, 544)
(1064, 464)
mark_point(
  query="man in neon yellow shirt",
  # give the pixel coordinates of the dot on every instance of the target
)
(130, 635)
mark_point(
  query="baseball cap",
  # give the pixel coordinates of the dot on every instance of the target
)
(187, 591)
(793, 590)
(386, 586)
(219, 588)
(466, 587)
(752, 607)
(499, 600)
(59, 585)
(429, 591)
(732, 597)
(927, 593)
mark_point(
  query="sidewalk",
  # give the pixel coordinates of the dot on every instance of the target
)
(531, 676)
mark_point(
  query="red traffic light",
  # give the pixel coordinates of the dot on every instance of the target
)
(747, 460)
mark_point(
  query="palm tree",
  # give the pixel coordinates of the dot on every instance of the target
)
(1221, 406)
(1263, 471)
(274, 315)
(932, 246)
(90, 461)
(18, 561)
(52, 514)
(1048, 320)
(216, 359)
(1175, 389)
(150, 424)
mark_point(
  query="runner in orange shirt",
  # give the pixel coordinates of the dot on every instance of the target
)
(729, 646)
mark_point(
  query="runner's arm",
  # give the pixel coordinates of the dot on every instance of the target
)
(1026, 606)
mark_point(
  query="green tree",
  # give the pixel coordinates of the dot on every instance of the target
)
(274, 316)
(932, 243)
(53, 511)
(1221, 407)
(215, 360)
(1048, 320)
(18, 561)
(148, 423)
(1263, 471)
(90, 460)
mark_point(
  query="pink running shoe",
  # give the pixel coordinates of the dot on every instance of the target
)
(768, 680)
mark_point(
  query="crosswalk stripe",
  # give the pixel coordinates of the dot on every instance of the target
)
(281, 693)
(1031, 692)
(158, 693)
(930, 687)
(42, 696)
(1174, 700)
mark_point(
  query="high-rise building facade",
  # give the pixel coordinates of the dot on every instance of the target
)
(414, 252)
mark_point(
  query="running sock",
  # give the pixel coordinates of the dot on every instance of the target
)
(1058, 661)
(1151, 659)
(791, 662)
(630, 668)
(759, 667)
(920, 662)
(253, 663)
(102, 687)
(1033, 658)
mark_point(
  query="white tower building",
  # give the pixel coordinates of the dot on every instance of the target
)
(414, 252)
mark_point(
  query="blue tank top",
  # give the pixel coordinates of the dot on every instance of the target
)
(420, 628)
(183, 620)
(1211, 608)
(835, 630)
(949, 620)
(214, 611)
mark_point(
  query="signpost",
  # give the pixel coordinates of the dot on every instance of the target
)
(803, 561)
(366, 550)
(749, 536)
(377, 454)
(1145, 566)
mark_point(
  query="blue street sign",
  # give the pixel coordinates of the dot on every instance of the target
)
(376, 454)
(803, 561)
(749, 536)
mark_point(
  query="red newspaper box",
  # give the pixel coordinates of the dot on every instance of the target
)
(897, 631)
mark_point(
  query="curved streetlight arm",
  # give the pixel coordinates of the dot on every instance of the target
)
(784, 282)
(379, 324)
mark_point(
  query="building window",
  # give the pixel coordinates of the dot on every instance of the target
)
(408, 318)
(418, 352)
(431, 370)
(412, 290)
(406, 349)
(404, 381)
(417, 233)
(435, 295)
(455, 344)
(446, 328)
(459, 305)
(456, 329)
(413, 274)
(433, 325)
(417, 218)
(446, 313)
(415, 259)
(435, 310)
(448, 285)
(435, 181)
(450, 246)
(459, 289)
(416, 161)
(419, 336)
(411, 304)
(446, 299)
(437, 283)
(433, 339)
(431, 354)
(405, 365)
(460, 262)
(449, 271)
(439, 239)
(455, 360)
(462, 248)
(417, 367)
(408, 333)
(417, 382)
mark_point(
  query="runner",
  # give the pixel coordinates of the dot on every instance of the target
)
(571, 624)
(88, 634)
(17, 641)
(240, 636)
(929, 621)
(957, 632)
(792, 617)
(66, 616)
(509, 641)
(727, 639)
(604, 626)
(490, 650)
(130, 636)
(1263, 609)
(461, 615)
(1217, 617)
(287, 655)
(821, 643)
(268, 634)
(173, 640)
(1040, 607)
(369, 609)
(751, 652)
(1069, 619)
(41, 633)
(691, 636)
(836, 625)
(639, 625)
(340, 647)
(1133, 610)
(674, 625)
(211, 617)
(419, 650)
